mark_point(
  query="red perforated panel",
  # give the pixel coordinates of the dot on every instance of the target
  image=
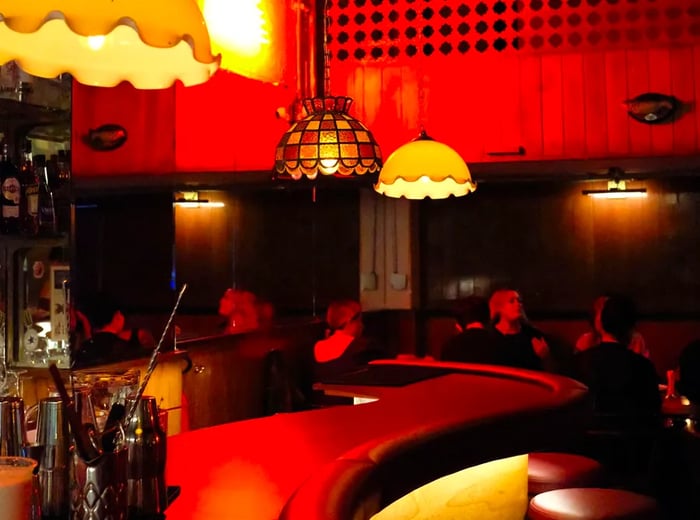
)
(401, 29)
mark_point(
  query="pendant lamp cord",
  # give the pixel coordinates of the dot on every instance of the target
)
(374, 234)
(314, 277)
(395, 238)
(421, 80)
(323, 62)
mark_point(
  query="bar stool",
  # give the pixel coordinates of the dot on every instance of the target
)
(547, 471)
(592, 504)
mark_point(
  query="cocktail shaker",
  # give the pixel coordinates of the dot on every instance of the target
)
(54, 464)
(98, 489)
(145, 443)
(13, 435)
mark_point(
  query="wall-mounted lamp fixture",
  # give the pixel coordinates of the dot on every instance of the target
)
(190, 199)
(617, 190)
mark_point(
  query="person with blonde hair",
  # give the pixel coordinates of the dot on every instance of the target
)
(522, 345)
(344, 348)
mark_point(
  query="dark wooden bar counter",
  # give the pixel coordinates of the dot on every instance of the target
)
(337, 462)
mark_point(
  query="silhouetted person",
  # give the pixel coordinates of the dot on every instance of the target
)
(622, 383)
(689, 372)
(475, 342)
(110, 340)
(635, 342)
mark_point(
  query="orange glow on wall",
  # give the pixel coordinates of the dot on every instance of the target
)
(249, 34)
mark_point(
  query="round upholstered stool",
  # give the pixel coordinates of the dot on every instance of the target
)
(592, 504)
(549, 471)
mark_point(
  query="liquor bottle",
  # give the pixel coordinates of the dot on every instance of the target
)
(11, 194)
(62, 192)
(29, 201)
(62, 168)
(47, 211)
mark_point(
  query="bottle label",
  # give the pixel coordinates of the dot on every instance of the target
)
(32, 195)
(11, 190)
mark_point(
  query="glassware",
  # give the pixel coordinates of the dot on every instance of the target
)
(16, 487)
(107, 389)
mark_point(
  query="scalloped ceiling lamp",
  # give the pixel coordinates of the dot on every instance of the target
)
(149, 43)
(425, 168)
(328, 141)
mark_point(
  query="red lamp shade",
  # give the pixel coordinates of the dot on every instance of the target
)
(327, 141)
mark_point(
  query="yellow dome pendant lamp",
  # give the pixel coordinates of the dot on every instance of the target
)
(424, 168)
(149, 43)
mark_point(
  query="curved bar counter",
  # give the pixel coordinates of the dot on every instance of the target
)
(351, 461)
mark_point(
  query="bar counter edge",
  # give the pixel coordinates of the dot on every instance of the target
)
(348, 462)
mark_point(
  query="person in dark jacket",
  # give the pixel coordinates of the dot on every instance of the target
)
(622, 383)
(521, 345)
(475, 342)
(110, 340)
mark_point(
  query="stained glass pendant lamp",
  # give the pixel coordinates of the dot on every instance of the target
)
(149, 43)
(425, 168)
(328, 141)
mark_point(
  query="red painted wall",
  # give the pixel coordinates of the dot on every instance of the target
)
(494, 76)
(226, 124)
(484, 77)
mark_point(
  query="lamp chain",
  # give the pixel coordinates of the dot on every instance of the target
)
(421, 82)
(326, 51)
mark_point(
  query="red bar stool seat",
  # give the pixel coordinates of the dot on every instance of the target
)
(549, 471)
(592, 504)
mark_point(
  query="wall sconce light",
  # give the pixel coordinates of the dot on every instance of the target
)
(617, 189)
(102, 42)
(190, 199)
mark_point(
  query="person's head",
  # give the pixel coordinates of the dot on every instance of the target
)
(470, 310)
(102, 311)
(227, 303)
(346, 316)
(618, 318)
(506, 305)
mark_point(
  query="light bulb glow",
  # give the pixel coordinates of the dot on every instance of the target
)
(242, 32)
(621, 194)
(96, 42)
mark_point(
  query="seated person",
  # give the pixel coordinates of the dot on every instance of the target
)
(521, 345)
(622, 383)
(587, 340)
(689, 372)
(110, 341)
(474, 343)
(239, 309)
(344, 349)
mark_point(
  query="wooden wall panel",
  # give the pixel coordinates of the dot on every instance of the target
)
(530, 88)
(683, 87)
(638, 74)
(552, 110)
(573, 101)
(617, 119)
(660, 81)
(595, 104)
(205, 250)
(562, 249)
